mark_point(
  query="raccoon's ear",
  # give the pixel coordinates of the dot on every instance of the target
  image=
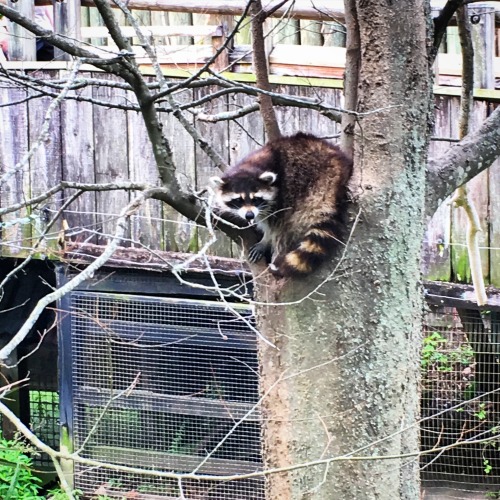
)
(268, 177)
(216, 181)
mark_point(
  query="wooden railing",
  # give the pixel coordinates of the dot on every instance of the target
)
(186, 33)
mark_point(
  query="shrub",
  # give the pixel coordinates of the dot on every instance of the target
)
(17, 481)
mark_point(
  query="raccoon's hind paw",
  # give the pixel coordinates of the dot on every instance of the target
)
(258, 251)
(275, 270)
(292, 264)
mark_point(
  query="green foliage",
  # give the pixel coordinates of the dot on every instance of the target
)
(59, 494)
(435, 354)
(481, 413)
(487, 466)
(430, 350)
(492, 494)
(17, 481)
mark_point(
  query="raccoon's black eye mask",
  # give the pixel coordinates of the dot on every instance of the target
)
(235, 203)
(256, 201)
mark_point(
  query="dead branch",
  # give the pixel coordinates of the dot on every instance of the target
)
(332, 112)
(113, 186)
(228, 115)
(40, 92)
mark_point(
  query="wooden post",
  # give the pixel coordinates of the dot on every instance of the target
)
(310, 32)
(22, 44)
(442, 48)
(483, 38)
(226, 24)
(67, 21)
(333, 34)
(221, 63)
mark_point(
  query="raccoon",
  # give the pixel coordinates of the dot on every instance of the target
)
(293, 189)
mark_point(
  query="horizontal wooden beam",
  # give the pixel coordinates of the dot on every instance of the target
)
(177, 71)
(325, 10)
(138, 258)
(459, 296)
(135, 457)
(320, 10)
(129, 31)
(165, 403)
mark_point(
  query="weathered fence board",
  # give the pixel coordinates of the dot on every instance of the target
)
(246, 133)
(146, 225)
(494, 219)
(46, 163)
(494, 173)
(180, 234)
(288, 118)
(16, 187)
(111, 158)
(437, 239)
(218, 136)
(77, 155)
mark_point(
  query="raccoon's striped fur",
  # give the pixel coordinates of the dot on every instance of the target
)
(294, 189)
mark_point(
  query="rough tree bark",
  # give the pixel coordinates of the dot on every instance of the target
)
(345, 374)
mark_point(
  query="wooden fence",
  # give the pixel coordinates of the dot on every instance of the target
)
(91, 143)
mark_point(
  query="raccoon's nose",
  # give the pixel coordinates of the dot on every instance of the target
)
(249, 215)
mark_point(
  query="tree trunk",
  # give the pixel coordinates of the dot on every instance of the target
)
(343, 378)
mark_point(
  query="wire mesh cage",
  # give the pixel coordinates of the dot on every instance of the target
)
(168, 385)
(460, 429)
(44, 422)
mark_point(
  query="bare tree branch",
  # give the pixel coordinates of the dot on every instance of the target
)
(38, 92)
(113, 186)
(228, 115)
(463, 161)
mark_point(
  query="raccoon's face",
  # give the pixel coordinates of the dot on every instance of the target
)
(249, 198)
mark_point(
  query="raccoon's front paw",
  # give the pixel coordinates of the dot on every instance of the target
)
(257, 252)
